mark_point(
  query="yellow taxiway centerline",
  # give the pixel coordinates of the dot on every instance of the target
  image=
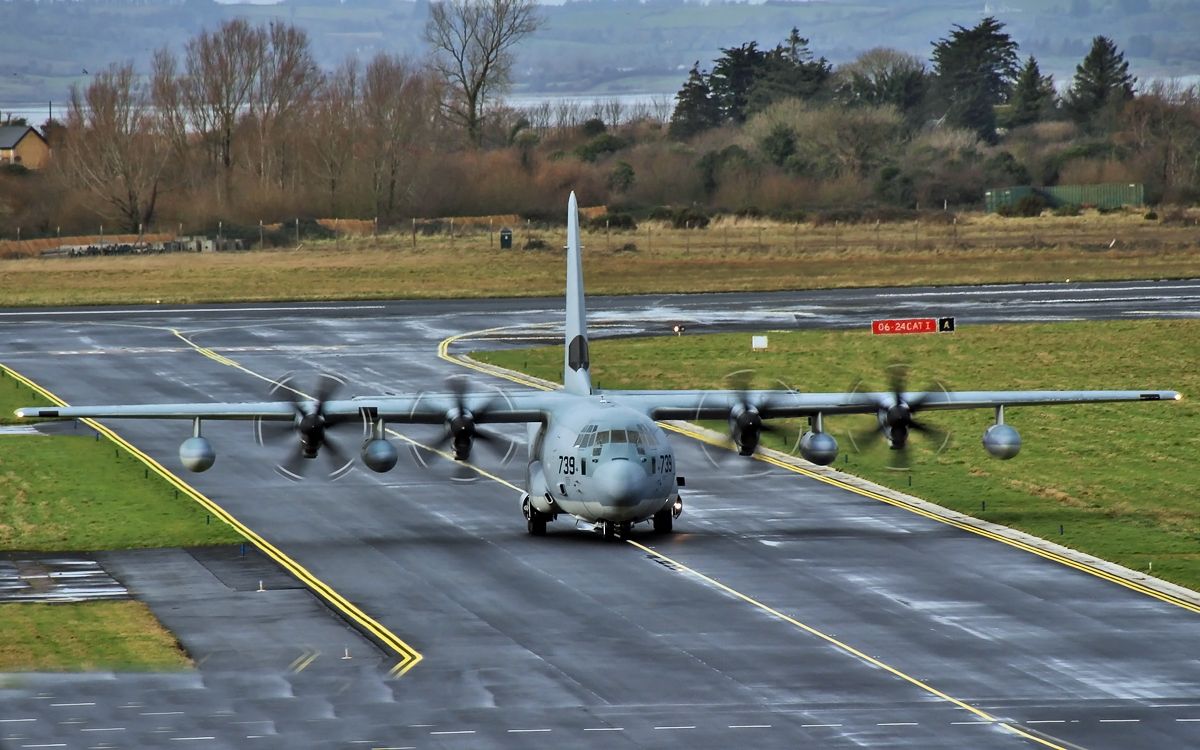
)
(409, 657)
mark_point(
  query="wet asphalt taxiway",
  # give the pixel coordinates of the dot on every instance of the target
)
(784, 613)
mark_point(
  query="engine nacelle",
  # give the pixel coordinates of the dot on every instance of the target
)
(746, 429)
(1002, 441)
(197, 454)
(818, 447)
(379, 455)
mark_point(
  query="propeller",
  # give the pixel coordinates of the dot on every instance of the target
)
(895, 418)
(308, 439)
(746, 424)
(461, 432)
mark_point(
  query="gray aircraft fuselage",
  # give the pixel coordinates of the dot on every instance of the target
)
(600, 462)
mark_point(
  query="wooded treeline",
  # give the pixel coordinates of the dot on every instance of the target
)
(241, 125)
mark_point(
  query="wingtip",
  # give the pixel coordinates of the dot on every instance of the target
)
(571, 202)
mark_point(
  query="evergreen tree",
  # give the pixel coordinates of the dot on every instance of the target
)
(975, 69)
(789, 70)
(1102, 83)
(1032, 95)
(733, 75)
(695, 108)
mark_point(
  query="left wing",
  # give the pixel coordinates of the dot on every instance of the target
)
(895, 412)
(719, 404)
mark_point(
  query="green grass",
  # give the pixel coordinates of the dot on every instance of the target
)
(1120, 479)
(93, 635)
(72, 492)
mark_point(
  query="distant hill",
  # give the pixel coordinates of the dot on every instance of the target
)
(592, 46)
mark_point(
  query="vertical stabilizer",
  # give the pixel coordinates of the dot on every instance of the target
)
(577, 376)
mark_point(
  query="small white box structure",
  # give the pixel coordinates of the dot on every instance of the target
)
(758, 343)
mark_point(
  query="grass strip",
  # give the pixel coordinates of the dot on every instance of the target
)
(728, 256)
(1116, 481)
(85, 636)
(72, 492)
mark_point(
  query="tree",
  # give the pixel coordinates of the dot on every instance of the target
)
(472, 42)
(287, 77)
(695, 108)
(1032, 95)
(112, 150)
(733, 75)
(399, 122)
(788, 71)
(221, 69)
(1102, 84)
(974, 69)
(884, 76)
(334, 130)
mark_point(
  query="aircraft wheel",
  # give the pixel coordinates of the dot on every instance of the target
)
(536, 524)
(663, 521)
(608, 530)
(626, 528)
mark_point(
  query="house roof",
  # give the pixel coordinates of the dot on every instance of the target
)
(11, 135)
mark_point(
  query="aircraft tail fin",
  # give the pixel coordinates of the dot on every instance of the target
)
(577, 376)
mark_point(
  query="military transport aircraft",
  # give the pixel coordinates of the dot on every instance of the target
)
(598, 456)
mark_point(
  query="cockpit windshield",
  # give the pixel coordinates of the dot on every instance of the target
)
(592, 435)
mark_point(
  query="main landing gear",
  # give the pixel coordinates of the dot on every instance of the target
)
(535, 520)
(664, 520)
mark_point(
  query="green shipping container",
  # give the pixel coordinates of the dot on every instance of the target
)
(996, 198)
(1107, 195)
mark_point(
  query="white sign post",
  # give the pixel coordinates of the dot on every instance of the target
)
(758, 343)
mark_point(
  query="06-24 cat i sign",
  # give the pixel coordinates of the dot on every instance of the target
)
(912, 325)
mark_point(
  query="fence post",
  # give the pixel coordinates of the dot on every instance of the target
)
(297, 231)
(414, 233)
(261, 239)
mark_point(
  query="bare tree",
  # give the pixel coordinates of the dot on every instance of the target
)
(472, 42)
(399, 117)
(113, 150)
(287, 78)
(221, 69)
(334, 130)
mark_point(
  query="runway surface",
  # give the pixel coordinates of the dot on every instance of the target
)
(785, 613)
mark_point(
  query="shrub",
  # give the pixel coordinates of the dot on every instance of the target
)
(1151, 215)
(613, 221)
(661, 213)
(693, 218)
(1027, 206)
(601, 145)
(593, 127)
(621, 178)
(628, 247)
(533, 243)
(838, 216)
(1068, 209)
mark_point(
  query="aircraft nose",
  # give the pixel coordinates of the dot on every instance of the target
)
(619, 482)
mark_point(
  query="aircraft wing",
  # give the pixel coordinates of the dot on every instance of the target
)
(718, 404)
(425, 408)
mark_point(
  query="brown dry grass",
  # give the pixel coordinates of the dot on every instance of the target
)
(730, 256)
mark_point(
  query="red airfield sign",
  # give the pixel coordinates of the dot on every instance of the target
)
(912, 325)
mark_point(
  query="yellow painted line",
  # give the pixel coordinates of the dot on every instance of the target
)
(409, 657)
(1047, 554)
(845, 647)
(443, 352)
